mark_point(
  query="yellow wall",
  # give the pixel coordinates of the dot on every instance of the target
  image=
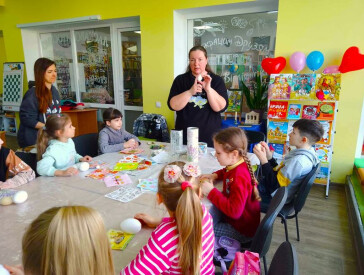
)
(330, 26)
(2, 60)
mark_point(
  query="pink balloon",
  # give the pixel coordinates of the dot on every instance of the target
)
(331, 69)
(297, 61)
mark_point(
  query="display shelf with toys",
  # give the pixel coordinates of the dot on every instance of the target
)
(309, 96)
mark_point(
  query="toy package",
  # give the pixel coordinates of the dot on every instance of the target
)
(118, 239)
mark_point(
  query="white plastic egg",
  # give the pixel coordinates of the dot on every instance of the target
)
(131, 226)
(83, 166)
(199, 78)
(20, 197)
(259, 146)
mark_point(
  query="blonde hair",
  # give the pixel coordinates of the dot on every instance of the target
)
(67, 240)
(187, 210)
(53, 124)
(234, 138)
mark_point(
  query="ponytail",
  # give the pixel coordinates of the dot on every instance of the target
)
(53, 124)
(189, 224)
(42, 142)
(254, 180)
(180, 196)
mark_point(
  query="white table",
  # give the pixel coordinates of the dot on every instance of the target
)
(47, 192)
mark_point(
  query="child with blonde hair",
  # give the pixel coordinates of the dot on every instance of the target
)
(13, 171)
(55, 148)
(236, 210)
(66, 240)
(184, 242)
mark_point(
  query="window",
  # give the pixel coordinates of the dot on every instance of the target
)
(93, 64)
(236, 44)
(57, 47)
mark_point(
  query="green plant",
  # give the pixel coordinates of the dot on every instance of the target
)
(257, 96)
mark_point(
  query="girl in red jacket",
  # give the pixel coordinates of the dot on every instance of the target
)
(235, 210)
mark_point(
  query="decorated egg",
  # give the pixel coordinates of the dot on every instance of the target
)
(83, 166)
(131, 226)
(20, 197)
(6, 201)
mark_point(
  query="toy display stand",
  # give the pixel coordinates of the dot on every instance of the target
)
(300, 100)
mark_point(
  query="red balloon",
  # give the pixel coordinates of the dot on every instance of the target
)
(274, 65)
(352, 60)
(320, 95)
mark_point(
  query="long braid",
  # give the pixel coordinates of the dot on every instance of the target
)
(254, 180)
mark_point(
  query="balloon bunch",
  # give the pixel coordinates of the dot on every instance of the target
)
(351, 61)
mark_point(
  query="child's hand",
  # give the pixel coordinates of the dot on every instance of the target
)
(261, 153)
(209, 177)
(206, 187)
(286, 149)
(131, 143)
(67, 173)
(148, 220)
(86, 159)
(268, 152)
(15, 270)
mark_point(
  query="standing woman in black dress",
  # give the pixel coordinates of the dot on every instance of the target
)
(38, 102)
(198, 97)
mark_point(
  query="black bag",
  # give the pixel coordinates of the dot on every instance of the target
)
(153, 129)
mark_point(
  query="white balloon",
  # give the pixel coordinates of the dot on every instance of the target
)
(131, 226)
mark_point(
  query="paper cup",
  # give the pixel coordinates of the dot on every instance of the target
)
(202, 147)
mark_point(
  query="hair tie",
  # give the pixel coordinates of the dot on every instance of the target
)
(192, 169)
(44, 128)
(172, 173)
(185, 184)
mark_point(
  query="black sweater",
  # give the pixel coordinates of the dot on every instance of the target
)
(30, 116)
(198, 112)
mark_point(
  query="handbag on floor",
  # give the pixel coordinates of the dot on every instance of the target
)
(225, 250)
(245, 263)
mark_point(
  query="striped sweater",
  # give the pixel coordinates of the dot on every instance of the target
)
(160, 256)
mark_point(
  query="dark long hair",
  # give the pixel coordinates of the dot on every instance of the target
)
(202, 49)
(43, 94)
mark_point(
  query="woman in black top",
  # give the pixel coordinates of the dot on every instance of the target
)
(198, 96)
(38, 102)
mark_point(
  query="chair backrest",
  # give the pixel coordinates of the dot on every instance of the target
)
(284, 261)
(253, 138)
(30, 159)
(151, 126)
(304, 189)
(263, 236)
(87, 144)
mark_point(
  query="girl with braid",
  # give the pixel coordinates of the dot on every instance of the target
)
(235, 210)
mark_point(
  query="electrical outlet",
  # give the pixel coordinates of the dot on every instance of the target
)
(158, 104)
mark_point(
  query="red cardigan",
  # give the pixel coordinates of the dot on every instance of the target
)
(236, 200)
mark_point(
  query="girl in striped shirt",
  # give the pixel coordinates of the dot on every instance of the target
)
(184, 242)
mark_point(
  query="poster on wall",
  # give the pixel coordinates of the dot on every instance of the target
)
(279, 86)
(12, 85)
(277, 109)
(277, 131)
(303, 87)
(330, 85)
